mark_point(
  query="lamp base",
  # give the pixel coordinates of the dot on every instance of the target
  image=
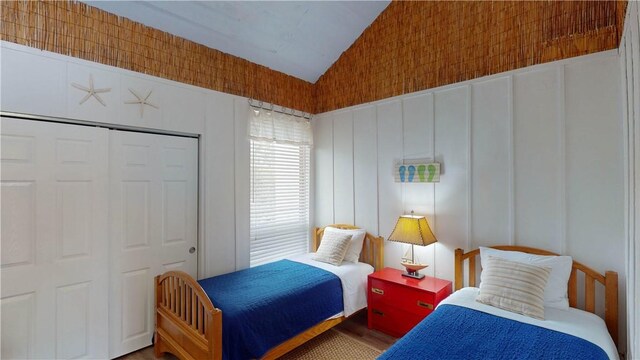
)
(413, 275)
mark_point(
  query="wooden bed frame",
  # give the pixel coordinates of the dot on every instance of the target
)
(189, 326)
(609, 280)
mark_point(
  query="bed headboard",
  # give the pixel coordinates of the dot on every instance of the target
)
(372, 247)
(609, 280)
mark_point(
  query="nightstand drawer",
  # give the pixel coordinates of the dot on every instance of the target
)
(403, 297)
(391, 320)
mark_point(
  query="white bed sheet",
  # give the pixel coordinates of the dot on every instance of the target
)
(353, 277)
(572, 321)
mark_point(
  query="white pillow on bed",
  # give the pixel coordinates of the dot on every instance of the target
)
(514, 286)
(332, 248)
(555, 292)
(355, 245)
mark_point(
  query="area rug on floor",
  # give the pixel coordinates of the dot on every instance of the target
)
(332, 345)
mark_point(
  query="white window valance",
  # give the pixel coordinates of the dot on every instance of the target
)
(269, 125)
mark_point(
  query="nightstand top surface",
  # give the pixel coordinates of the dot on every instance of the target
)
(427, 283)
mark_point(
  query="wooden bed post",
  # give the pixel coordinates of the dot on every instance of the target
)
(157, 346)
(611, 303)
(315, 237)
(214, 327)
(459, 274)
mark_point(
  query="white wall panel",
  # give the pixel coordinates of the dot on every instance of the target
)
(150, 116)
(33, 84)
(323, 169)
(217, 252)
(452, 192)
(594, 168)
(389, 192)
(365, 168)
(503, 145)
(630, 70)
(242, 183)
(184, 109)
(92, 109)
(418, 143)
(594, 163)
(538, 160)
(343, 168)
(490, 162)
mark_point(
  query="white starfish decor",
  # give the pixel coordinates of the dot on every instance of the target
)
(91, 91)
(142, 101)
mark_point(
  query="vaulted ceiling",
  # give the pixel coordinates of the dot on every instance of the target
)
(298, 38)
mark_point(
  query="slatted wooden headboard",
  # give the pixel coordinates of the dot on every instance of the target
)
(609, 280)
(372, 248)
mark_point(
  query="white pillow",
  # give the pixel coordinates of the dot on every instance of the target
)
(555, 292)
(514, 286)
(355, 245)
(332, 248)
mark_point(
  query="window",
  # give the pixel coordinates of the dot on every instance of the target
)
(279, 211)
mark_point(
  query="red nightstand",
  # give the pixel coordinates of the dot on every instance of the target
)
(397, 303)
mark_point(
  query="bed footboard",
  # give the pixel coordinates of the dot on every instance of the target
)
(187, 323)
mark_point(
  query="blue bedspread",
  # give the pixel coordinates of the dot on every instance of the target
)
(268, 304)
(456, 332)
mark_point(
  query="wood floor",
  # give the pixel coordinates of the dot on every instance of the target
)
(355, 327)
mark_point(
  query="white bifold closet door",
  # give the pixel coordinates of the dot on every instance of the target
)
(54, 269)
(89, 217)
(153, 199)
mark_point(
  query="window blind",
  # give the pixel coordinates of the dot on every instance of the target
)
(279, 210)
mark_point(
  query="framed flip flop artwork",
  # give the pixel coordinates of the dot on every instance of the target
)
(417, 172)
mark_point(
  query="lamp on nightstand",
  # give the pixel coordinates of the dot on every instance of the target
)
(412, 229)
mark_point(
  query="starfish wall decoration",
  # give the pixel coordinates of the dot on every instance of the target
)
(91, 91)
(142, 101)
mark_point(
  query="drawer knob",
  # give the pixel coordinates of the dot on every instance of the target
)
(425, 305)
(377, 312)
(377, 291)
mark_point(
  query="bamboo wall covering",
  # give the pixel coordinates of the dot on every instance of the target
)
(414, 46)
(411, 46)
(78, 30)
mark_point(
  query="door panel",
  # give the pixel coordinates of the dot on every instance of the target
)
(54, 267)
(153, 192)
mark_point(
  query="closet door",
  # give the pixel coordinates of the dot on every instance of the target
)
(54, 267)
(153, 195)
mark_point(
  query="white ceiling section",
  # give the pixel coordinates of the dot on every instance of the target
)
(299, 38)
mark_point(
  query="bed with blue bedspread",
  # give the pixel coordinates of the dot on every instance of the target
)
(460, 328)
(265, 305)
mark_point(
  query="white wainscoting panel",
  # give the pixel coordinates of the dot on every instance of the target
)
(343, 168)
(538, 160)
(594, 163)
(151, 116)
(33, 84)
(452, 193)
(531, 157)
(365, 168)
(323, 170)
(389, 192)
(490, 162)
(92, 109)
(219, 150)
(242, 182)
(630, 74)
(418, 143)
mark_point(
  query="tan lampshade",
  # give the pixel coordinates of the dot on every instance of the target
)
(413, 229)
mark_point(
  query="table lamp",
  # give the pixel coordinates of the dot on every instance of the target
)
(412, 229)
